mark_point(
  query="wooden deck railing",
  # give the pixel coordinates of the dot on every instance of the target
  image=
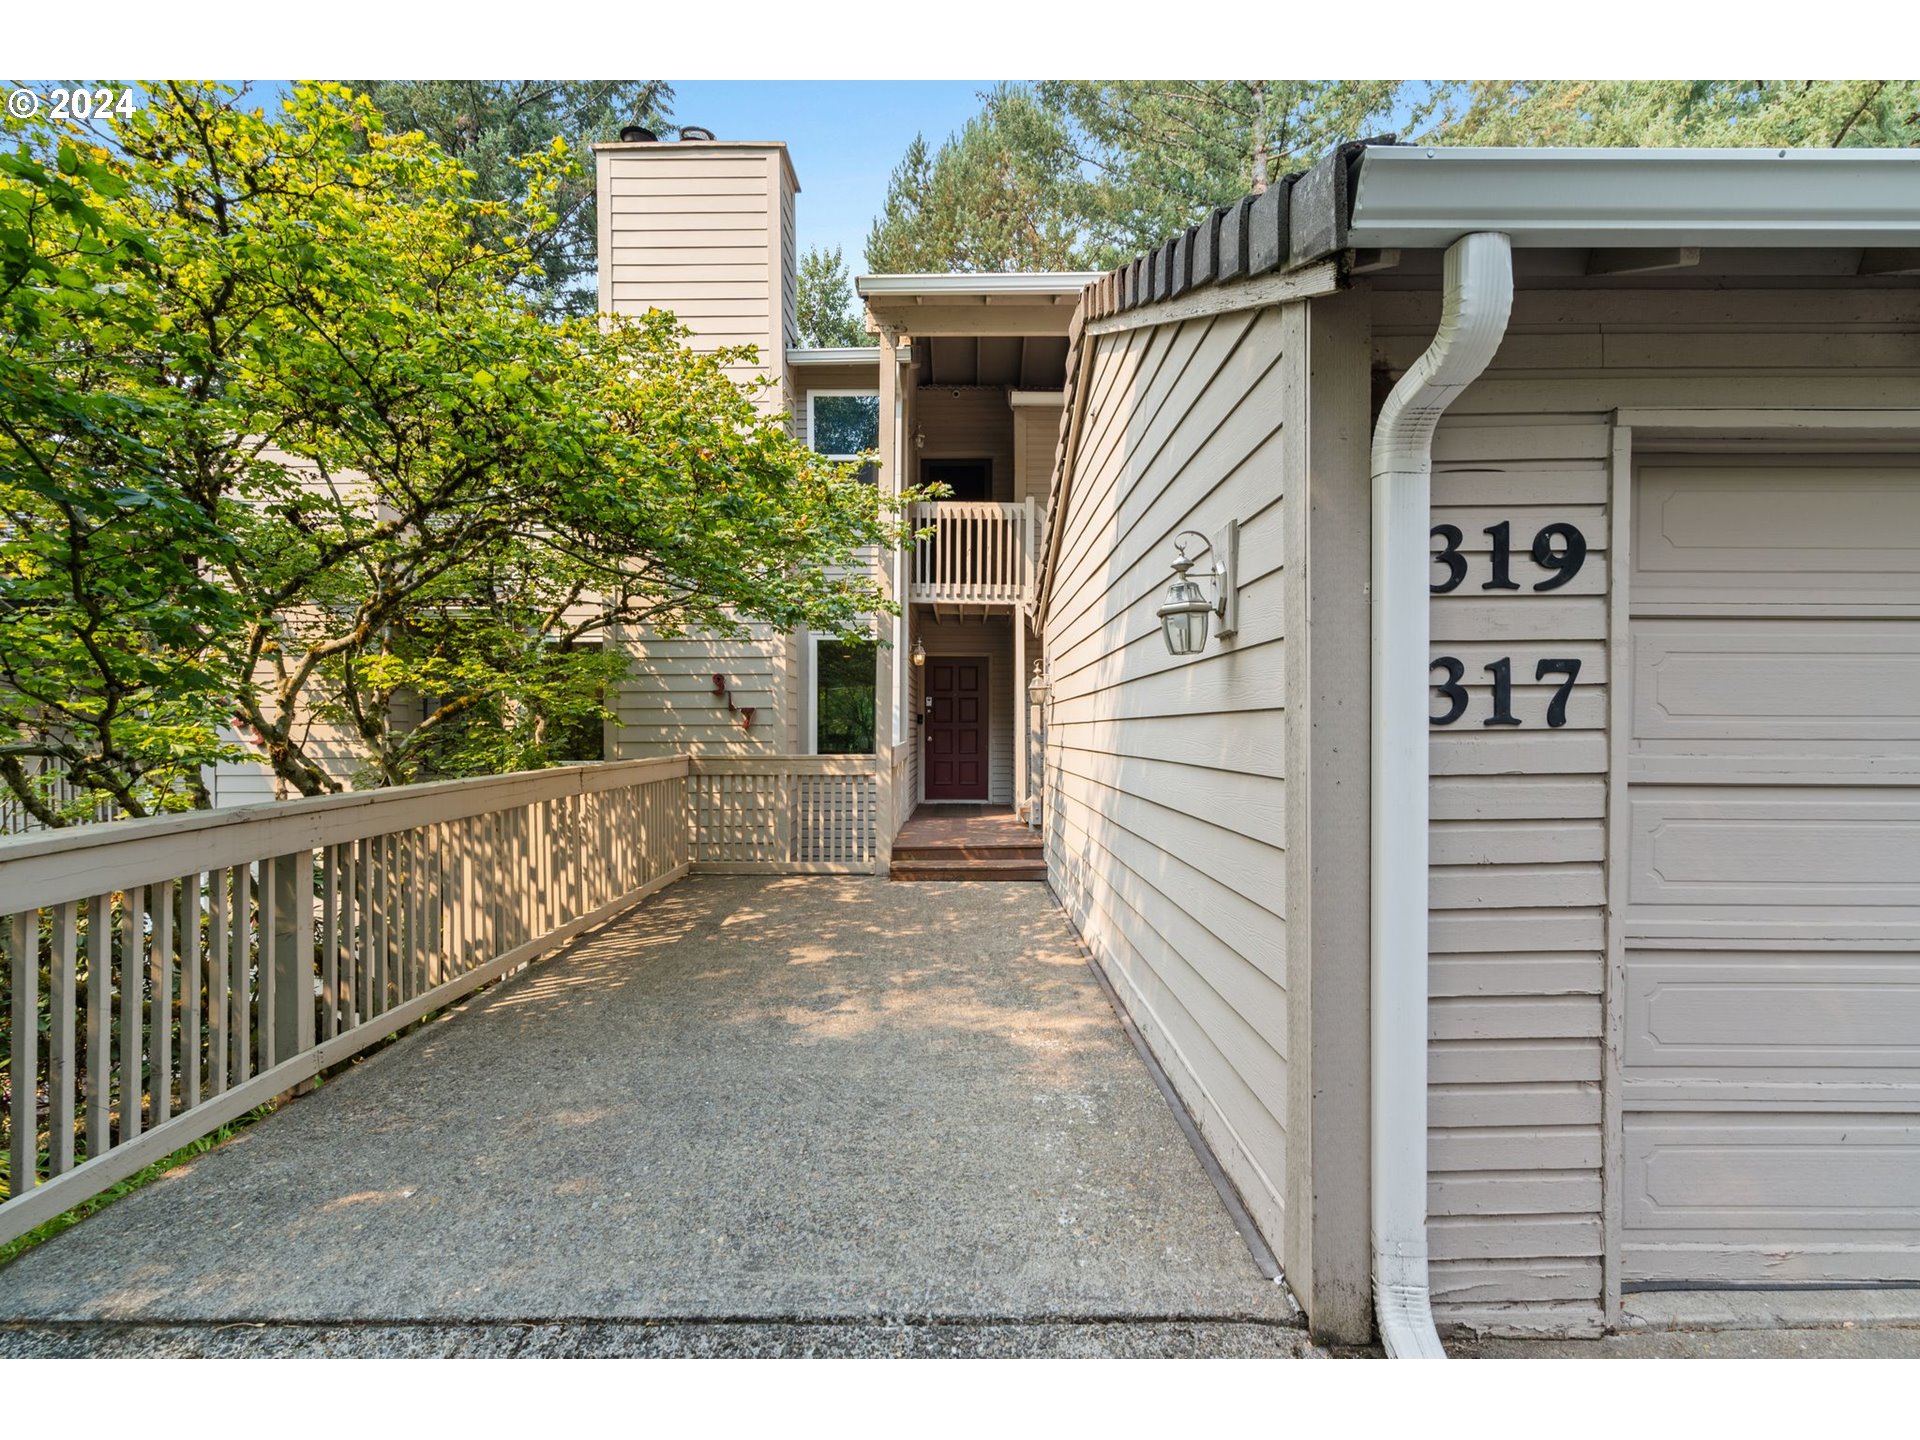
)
(196, 966)
(784, 814)
(979, 552)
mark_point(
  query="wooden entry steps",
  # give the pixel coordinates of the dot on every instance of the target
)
(967, 842)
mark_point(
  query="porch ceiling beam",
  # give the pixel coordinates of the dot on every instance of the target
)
(1025, 318)
(1643, 261)
(1890, 262)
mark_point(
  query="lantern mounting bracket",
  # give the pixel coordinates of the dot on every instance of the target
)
(1224, 550)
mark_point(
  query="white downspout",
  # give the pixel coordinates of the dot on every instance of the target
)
(1478, 297)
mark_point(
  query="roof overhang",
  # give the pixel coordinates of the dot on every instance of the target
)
(1427, 197)
(1031, 287)
(841, 355)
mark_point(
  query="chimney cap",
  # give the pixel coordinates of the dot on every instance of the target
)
(636, 132)
(695, 132)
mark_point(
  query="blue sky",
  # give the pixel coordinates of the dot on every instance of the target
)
(845, 138)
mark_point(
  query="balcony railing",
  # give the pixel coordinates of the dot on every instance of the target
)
(979, 552)
(165, 976)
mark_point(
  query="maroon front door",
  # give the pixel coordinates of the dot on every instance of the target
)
(956, 728)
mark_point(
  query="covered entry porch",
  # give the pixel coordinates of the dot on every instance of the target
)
(755, 1115)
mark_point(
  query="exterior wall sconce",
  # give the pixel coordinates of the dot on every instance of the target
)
(1189, 609)
(1037, 685)
(919, 654)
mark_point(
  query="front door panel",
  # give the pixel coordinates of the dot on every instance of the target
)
(956, 728)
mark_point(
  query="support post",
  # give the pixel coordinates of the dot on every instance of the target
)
(886, 703)
(1022, 719)
(291, 939)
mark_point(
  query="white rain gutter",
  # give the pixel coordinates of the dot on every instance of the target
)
(1478, 297)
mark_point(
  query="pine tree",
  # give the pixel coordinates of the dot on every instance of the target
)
(829, 314)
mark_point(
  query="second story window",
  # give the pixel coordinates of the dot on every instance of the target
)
(842, 424)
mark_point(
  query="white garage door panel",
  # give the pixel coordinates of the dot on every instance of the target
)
(1783, 1199)
(1775, 862)
(1774, 678)
(1770, 1089)
(1844, 532)
(1779, 1015)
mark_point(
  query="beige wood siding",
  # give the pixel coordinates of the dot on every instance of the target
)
(1036, 431)
(965, 423)
(666, 705)
(1166, 815)
(789, 328)
(705, 231)
(1518, 817)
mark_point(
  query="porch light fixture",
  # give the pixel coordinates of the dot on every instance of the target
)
(1037, 686)
(919, 653)
(1189, 608)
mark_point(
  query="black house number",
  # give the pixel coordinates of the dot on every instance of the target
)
(1559, 548)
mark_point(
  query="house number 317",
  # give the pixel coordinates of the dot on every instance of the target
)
(1564, 560)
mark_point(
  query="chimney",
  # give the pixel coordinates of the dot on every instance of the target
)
(704, 228)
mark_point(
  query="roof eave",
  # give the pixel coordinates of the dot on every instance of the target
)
(1029, 285)
(1427, 197)
(836, 355)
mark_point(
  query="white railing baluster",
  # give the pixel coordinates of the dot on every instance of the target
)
(979, 552)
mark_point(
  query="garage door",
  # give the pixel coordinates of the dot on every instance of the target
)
(1771, 1047)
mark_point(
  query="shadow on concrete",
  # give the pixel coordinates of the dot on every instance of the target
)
(761, 1100)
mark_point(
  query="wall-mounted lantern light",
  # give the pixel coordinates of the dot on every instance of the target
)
(1189, 608)
(1037, 686)
(919, 654)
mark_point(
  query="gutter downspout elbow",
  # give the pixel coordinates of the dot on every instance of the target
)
(1478, 298)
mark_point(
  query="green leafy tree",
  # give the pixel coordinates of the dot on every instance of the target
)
(343, 469)
(1150, 157)
(106, 676)
(829, 312)
(1815, 114)
(1087, 173)
(491, 126)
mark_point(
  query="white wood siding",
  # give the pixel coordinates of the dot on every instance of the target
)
(1166, 815)
(1518, 818)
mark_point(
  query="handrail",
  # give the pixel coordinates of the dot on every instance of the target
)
(48, 867)
(200, 965)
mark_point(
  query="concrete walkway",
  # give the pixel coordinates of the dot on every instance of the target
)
(755, 1116)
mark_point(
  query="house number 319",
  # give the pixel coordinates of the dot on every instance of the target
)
(1564, 560)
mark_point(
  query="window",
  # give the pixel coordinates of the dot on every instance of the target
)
(843, 424)
(841, 717)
